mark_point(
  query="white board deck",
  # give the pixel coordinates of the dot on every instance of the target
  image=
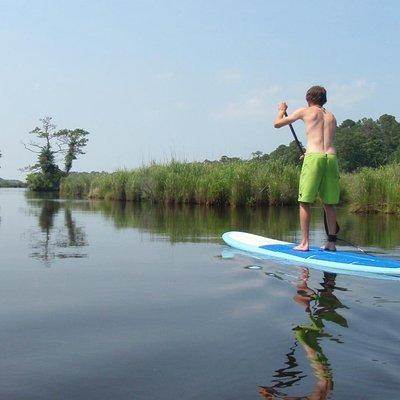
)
(339, 260)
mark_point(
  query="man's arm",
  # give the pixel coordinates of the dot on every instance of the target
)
(281, 120)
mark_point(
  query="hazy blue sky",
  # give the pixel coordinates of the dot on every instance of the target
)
(189, 79)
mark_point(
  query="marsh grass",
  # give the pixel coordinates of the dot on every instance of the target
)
(78, 185)
(237, 183)
(376, 190)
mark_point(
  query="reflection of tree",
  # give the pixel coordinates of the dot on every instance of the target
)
(47, 214)
(188, 223)
(76, 235)
(56, 240)
(320, 306)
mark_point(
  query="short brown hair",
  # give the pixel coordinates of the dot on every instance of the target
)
(316, 95)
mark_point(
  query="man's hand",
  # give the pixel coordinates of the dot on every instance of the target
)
(281, 120)
(282, 107)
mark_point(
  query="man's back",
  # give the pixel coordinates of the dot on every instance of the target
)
(321, 129)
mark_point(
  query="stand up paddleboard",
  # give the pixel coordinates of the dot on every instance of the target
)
(339, 260)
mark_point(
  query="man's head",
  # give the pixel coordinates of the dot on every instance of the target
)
(316, 96)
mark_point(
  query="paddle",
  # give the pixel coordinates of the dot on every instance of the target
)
(296, 138)
(325, 219)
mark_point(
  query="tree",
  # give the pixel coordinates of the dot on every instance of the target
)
(288, 155)
(226, 159)
(395, 157)
(367, 143)
(390, 130)
(75, 140)
(257, 154)
(350, 146)
(45, 174)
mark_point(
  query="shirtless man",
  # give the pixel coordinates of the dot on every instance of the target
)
(320, 172)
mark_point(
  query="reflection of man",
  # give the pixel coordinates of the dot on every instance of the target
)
(308, 337)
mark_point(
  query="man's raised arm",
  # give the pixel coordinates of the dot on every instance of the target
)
(281, 120)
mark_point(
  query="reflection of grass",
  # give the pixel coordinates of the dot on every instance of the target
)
(379, 229)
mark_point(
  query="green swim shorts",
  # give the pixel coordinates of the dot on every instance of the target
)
(319, 176)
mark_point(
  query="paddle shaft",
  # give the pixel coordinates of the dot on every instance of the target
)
(295, 137)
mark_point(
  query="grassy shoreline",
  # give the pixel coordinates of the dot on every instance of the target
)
(238, 183)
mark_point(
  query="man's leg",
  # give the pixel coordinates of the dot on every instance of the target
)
(330, 212)
(305, 215)
(330, 194)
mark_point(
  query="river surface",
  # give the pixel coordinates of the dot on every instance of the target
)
(115, 301)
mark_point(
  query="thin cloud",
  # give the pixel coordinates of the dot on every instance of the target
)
(229, 76)
(257, 104)
(347, 95)
(164, 76)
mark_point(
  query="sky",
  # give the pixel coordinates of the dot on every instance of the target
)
(190, 80)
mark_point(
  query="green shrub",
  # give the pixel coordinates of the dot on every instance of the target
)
(39, 182)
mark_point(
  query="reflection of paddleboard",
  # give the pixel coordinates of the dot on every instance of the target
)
(339, 260)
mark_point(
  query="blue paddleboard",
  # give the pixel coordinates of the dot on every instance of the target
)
(339, 260)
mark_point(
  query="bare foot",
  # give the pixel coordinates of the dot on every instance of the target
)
(329, 246)
(302, 247)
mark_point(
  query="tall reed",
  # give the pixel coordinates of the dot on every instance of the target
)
(233, 183)
(238, 183)
(376, 190)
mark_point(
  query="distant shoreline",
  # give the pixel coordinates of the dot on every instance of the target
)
(12, 183)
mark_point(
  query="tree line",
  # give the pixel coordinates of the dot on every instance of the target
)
(363, 143)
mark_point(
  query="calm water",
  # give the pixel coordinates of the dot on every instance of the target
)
(111, 301)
